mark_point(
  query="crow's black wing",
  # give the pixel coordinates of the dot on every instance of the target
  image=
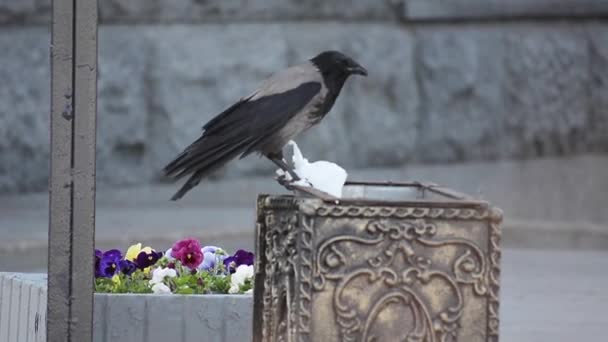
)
(238, 129)
(256, 116)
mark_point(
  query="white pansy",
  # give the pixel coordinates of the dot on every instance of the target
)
(159, 274)
(238, 278)
(250, 291)
(161, 288)
(233, 289)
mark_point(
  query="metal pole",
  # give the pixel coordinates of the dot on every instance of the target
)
(72, 179)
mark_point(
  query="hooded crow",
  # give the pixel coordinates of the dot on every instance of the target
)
(282, 107)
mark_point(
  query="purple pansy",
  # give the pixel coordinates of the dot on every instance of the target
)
(144, 259)
(109, 263)
(98, 256)
(210, 249)
(241, 257)
(211, 257)
(127, 267)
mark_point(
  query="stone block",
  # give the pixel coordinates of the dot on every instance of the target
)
(444, 10)
(204, 11)
(180, 11)
(125, 63)
(24, 11)
(24, 109)
(509, 91)
(598, 87)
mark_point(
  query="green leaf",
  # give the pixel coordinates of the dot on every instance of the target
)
(219, 284)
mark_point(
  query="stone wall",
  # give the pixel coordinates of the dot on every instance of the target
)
(443, 87)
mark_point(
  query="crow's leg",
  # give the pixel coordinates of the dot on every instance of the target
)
(277, 158)
(282, 180)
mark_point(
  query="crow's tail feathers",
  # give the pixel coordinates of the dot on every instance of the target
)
(202, 158)
(191, 183)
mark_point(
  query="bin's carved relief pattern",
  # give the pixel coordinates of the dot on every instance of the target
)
(378, 263)
(280, 236)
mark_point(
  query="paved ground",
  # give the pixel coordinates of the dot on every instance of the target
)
(554, 296)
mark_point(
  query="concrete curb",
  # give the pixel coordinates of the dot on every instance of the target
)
(554, 235)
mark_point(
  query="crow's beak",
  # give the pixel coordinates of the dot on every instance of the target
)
(358, 70)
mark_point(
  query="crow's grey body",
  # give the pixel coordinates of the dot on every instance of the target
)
(281, 108)
(313, 95)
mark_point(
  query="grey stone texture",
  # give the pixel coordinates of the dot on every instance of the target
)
(436, 93)
(24, 108)
(499, 9)
(198, 11)
(523, 92)
(25, 11)
(204, 11)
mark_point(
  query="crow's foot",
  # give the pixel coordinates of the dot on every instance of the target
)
(287, 184)
(283, 166)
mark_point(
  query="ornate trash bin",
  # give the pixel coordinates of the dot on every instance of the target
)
(386, 262)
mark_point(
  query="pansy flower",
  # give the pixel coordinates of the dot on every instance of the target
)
(169, 255)
(242, 274)
(98, 255)
(109, 264)
(127, 267)
(241, 257)
(161, 288)
(145, 259)
(133, 251)
(188, 251)
(211, 256)
(158, 277)
(142, 257)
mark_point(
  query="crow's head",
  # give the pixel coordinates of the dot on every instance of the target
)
(337, 64)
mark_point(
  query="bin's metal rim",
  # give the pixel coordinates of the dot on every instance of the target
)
(455, 199)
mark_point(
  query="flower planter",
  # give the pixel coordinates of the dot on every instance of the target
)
(128, 317)
(149, 317)
(387, 262)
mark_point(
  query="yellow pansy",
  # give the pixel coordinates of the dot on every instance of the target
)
(134, 251)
